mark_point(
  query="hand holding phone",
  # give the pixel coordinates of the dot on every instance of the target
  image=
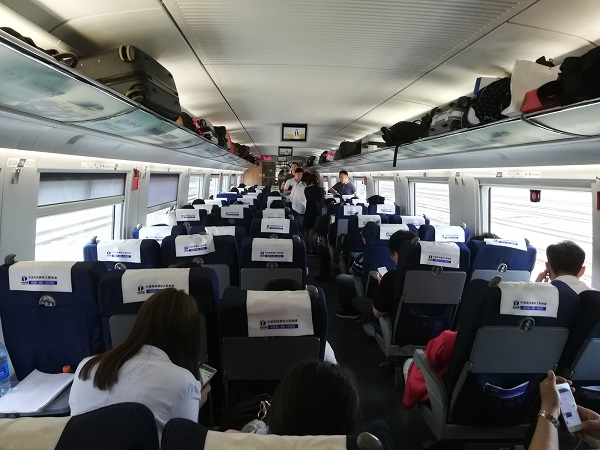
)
(206, 373)
(382, 271)
(568, 407)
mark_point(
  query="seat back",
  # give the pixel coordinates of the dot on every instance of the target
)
(384, 209)
(156, 232)
(190, 217)
(237, 215)
(440, 233)
(237, 231)
(223, 259)
(126, 253)
(579, 360)
(127, 426)
(263, 260)
(229, 196)
(427, 292)
(265, 228)
(343, 212)
(50, 315)
(377, 253)
(264, 333)
(498, 327)
(184, 434)
(513, 260)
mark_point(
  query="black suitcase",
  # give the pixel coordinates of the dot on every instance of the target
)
(135, 74)
(449, 117)
(348, 149)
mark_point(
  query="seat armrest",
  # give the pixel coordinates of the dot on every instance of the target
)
(438, 397)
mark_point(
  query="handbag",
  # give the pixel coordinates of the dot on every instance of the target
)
(405, 132)
(527, 76)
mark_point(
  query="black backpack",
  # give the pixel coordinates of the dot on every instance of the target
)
(406, 132)
(310, 161)
(490, 101)
(347, 149)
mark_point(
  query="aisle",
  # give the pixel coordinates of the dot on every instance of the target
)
(360, 353)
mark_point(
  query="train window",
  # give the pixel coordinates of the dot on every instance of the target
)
(325, 183)
(332, 181)
(361, 187)
(61, 237)
(214, 185)
(560, 215)
(433, 200)
(59, 188)
(225, 183)
(195, 187)
(385, 188)
(162, 189)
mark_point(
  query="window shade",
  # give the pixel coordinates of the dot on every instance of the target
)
(58, 188)
(163, 189)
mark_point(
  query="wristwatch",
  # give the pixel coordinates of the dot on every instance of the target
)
(546, 415)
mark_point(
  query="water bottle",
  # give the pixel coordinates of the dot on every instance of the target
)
(4, 371)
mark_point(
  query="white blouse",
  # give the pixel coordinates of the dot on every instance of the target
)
(150, 378)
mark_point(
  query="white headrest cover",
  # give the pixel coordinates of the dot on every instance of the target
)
(194, 245)
(126, 250)
(183, 215)
(386, 230)
(273, 313)
(205, 207)
(386, 209)
(249, 441)
(522, 298)
(352, 210)
(138, 285)
(519, 244)
(415, 220)
(232, 212)
(46, 276)
(157, 233)
(449, 234)
(220, 231)
(274, 213)
(363, 220)
(272, 250)
(445, 254)
(281, 226)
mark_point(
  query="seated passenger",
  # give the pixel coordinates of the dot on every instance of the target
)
(157, 365)
(213, 220)
(241, 186)
(187, 207)
(277, 204)
(234, 189)
(198, 201)
(565, 263)
(313, 398)
(548, 435)
(274, 194)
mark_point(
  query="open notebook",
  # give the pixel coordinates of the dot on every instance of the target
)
(35, 392)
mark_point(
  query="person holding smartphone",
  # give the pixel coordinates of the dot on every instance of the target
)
(157, 365)
(557, 399)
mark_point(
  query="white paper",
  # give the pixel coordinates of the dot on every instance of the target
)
(445, 254)
(157, 233)
(217, 202)
(184, 215)
(449, 234)
(386, 209)
(415, 220)
(44, 276)
(382, 270)
(232, 212)
(246, 201)
(274, 213)
(352, 210)
(281, 226)
(364, 219)
(387, 229)
(519, 244)
(522, 298)
(250, 195)
(35, 392)
(139, 285)
(125, 250)
(194, 245)
(205, 207)
(220, 231)
(272, 250)
(283, 313)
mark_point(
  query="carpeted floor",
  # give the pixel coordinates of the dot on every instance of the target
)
(360, 353)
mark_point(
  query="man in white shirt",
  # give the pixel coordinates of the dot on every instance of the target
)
(293, 182)
(297, 195)
(565, 263)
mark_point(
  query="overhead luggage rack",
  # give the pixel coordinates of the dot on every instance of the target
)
(38, 91)
(572, 123)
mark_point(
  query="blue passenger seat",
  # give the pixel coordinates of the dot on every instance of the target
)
(263, 260)
(265, 228)
(488, 259)
(503, 349)
(125, 253)
(50, 314)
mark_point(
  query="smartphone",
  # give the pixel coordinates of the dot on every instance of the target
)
(206, 373)
(568, 407)
(382, 271)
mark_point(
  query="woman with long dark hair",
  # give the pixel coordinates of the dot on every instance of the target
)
(314, 196)
(157, 365)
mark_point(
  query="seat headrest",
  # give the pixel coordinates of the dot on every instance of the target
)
(444, 254)
(272, 250)
(194, 245)
(386, 230)
(364, 219)
(415, 220)
(138, 285)
(518, 244)
(46, 276)
(220, 231)
(352, 210)
(183, 215)
(279, 313)
(125, 250)
(156, 232)
(232, 212)
(276, 225)
(522, 298)
(386, 209)
(449, 234)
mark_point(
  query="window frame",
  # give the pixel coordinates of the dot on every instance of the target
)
(412, 191)
(201, 179)
(378, 179)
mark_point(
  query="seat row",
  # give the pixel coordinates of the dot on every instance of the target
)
(54, 314)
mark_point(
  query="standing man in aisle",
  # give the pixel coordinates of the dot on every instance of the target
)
(290, 175)
(344, 186)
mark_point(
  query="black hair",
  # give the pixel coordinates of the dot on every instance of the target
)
(274, 194)
(242, 186)
(306, 177)
(187, 207)
(234, 189)
(198, 201)
(367, 229)
(343, 172)
(398, 238)
(282, 284)
(565, 258)
(277, 204)
(251, 189)
(299, 170)
(184, 265)
(314, 398)
(213, 220)
(482, 236)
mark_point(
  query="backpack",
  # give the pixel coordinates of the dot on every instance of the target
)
(406, 132)
(490, 101)
(347, 149)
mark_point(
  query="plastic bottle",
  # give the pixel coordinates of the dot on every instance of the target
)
(4, 371)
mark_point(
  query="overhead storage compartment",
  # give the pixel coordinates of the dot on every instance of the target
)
(39, 93)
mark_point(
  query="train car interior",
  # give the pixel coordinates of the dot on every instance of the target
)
(446, 152)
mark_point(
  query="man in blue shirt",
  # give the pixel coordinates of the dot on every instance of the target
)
(344, 186)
